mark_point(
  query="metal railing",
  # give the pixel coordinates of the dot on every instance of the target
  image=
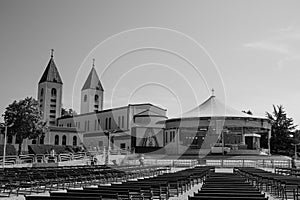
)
(42, 158)
(259, 163)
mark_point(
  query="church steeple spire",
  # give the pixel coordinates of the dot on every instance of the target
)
(52, 52)
(92, 93)
(51, 73)
(93, 81)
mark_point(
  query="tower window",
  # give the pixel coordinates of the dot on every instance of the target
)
(96, 98)
(42, 91)
(85, 98)
(53, 92)
(64, 140)
(56, 140)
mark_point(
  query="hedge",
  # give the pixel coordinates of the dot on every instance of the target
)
(10, 150)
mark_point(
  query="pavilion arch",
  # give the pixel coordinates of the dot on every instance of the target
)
(64, 140)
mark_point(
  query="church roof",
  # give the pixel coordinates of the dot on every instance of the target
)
(213, 107)
(51, 73)
(92, 81)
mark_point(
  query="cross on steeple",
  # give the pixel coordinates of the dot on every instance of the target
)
(93, 62)
(52, 52)
(212, 92)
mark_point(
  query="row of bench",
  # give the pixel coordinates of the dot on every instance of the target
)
(39, 180)
(227, 186)
(288, 171)
(160, 187)
(284, 186)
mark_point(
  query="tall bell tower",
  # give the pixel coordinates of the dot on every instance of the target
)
(50, 93)
(92, 93)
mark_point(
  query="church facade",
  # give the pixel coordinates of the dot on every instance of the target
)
(129, 127)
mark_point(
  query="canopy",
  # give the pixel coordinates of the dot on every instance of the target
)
(213, 107)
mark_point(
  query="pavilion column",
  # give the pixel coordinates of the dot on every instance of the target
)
(177, 140)
(269, 141)
(243, 135)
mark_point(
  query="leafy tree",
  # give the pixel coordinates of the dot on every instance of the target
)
(26, 120)
(70, 112)
(282, 129)
(297, 136)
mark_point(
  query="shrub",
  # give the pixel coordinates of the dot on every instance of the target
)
(10, 150)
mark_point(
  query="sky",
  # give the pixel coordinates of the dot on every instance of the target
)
(170, 53)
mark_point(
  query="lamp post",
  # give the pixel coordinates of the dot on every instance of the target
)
(296, 150)
(108, 147)
(107, 133)
(223, 140)
(4, 146)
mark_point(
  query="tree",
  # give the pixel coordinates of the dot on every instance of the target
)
(70, 112)
(282, 129)
(26, 120)
(297, 136)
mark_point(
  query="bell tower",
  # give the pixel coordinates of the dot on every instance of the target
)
(50, 93)
(92, 93)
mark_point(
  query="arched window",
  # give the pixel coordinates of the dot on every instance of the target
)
(56, 140)
(53, 92)
(33, 141)
(64, 140)
(96, 98)
(74, 140)
(42, 91)
(85, 98)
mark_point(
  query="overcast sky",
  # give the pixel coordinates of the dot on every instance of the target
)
(248, 51)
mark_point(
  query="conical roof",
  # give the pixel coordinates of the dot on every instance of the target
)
(93, 81)
(51, 73)
(213, 107)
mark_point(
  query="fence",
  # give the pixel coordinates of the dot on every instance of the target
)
(41, 158)
(261, 163)
(159, 162)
